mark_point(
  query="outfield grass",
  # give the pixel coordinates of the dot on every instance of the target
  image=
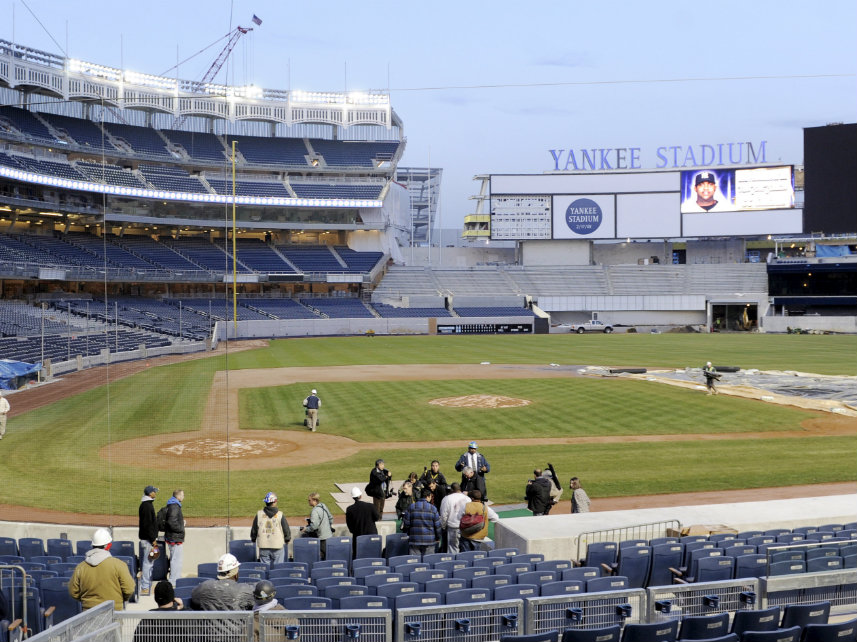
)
(51, 454)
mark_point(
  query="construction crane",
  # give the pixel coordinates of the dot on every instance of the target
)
(198, 87)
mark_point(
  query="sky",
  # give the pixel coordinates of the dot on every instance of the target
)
(491, 87)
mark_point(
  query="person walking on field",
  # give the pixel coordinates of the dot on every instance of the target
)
(4, 410)
(312, 403)
(579, 499)
(270, 531)
(711, 375)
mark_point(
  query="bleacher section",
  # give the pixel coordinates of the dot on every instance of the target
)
(21, 320)
(203, 253)
(500, 311)
(271, 151)
(311, 258)
(279, 308)
(344, 308)
(199, 146)
(24, 121)
(358, 261)
(353, 154)
(248, 188)
(221, 310)
(173, 179)
(156, 253)
(109, 174)
(50, 168)
(391, 312)
(59, 347)
(83, 132)
(260, 257)
(113, 254)
(321, 190)
(142, 140)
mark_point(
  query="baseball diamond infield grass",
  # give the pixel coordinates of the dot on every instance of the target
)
(51, 455)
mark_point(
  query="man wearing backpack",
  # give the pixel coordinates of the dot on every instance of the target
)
(473, 525)
(148, 534)
(320, 523)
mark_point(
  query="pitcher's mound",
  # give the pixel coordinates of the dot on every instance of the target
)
(480, 401)
(220, 449)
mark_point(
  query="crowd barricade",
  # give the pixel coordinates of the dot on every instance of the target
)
(90, 621)
(676, 601)
(637, 531)
(585, 610)
(201, 626)
(326, 626)
(474, 622)
(837, 587)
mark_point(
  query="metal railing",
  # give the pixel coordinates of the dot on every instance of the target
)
(477, 622)
(326, 626)
(837, 587)
(184, 626)
(635, 531)
(7, 581)
(79, 626)
(585, 610)
(676, 601)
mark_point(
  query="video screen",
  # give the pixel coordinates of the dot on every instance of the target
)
(737, 190)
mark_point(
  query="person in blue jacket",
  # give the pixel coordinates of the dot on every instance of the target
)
(475, 460)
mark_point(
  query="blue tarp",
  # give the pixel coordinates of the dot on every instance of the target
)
(832, 250)
(14, 374)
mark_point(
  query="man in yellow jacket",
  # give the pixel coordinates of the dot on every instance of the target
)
(100, 576)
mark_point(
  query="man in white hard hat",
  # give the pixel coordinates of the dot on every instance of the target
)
(225, 593)
(360, 518)
(312, 403)
(270, 531)
(711, 376)
(100, 576)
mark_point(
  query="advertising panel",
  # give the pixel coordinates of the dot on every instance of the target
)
(737, 190)
(584, 216)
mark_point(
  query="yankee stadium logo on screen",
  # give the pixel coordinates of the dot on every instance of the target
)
(583, 216)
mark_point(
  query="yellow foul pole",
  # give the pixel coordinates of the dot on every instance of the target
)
(234, 250)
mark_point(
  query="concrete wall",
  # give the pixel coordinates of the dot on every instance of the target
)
(458, 257)
(555, 536)
(630, 253)
(658, 318)
(553, 253)
(829, 324)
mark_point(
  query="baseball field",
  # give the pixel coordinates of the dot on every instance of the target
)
(228, 428)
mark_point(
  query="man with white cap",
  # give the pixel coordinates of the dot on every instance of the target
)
(360, 518)
(475, 460)
(100, 576)
(312, 403)
(4, 410)
(270, 531)
(225, 593)
(707, 196)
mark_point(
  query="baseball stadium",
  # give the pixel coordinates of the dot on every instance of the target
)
(184, 263)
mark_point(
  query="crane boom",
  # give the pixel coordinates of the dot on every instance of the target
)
(199, 86)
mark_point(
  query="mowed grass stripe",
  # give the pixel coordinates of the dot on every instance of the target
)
(822, 354)
(382, 411)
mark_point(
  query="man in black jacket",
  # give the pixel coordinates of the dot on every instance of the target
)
(378, 487)
(471, 481)
(148, 534)
(539, 493)
(360, 518)
(174, 534)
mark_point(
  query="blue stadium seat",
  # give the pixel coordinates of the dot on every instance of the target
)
(539, 578)
(454, 565)
(598, 553)
(554, 565)
(563, 587)
(737, 550)
(29, 547)
(513, 568)
(369, 546)
(470, 555)
(802, 614)
(779, 635)
(445, 585)
(365, 562)
(547, 636)
(190, 581)
(755, 565)
(408, 568)
(394, 590)
(634, 562)
(395, 544)
(583, 573)
(471, 573)
(603, 634)
(318, 574)
(504, 552)
(306, 549)
(787, 568)
(658, 541)
(47, 560)
(364, 602)
(664, 558)
(61, 547)
(207, 569)
(838, 632)
(516, 592)
(421, 577)
(277, 573)
(336, 593)
(466, 596)
(822, 564)
(700, 627)
(372, 582)
(654, 632)
(292, 565)
(714, 569)
(324, 583)
(490, 581)
(761, 620)
(54, 592)
(244, 550)
(339, 548)
(307, 603)
(434, 558)
(490, 563)
(402, 559)
(612, 583)
(285, 591)
(8, 546)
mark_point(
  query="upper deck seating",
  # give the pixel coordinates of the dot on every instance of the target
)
(391, 312)
(106, 249)
(359, 261)
(260, 257)
(159, 254)
(506, 311)
(24, 121)
(342, 191)
(249, 188)
(65, 253)
(339, 308)
(172, 179)
(204, 253)
(311, 258)
(50, 168)
(354, 153)
(84, 132)
(143, 140)
(271, 151)
(109, 174)
(280, 308)
(198, 145)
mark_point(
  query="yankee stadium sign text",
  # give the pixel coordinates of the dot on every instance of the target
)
(672, 156)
